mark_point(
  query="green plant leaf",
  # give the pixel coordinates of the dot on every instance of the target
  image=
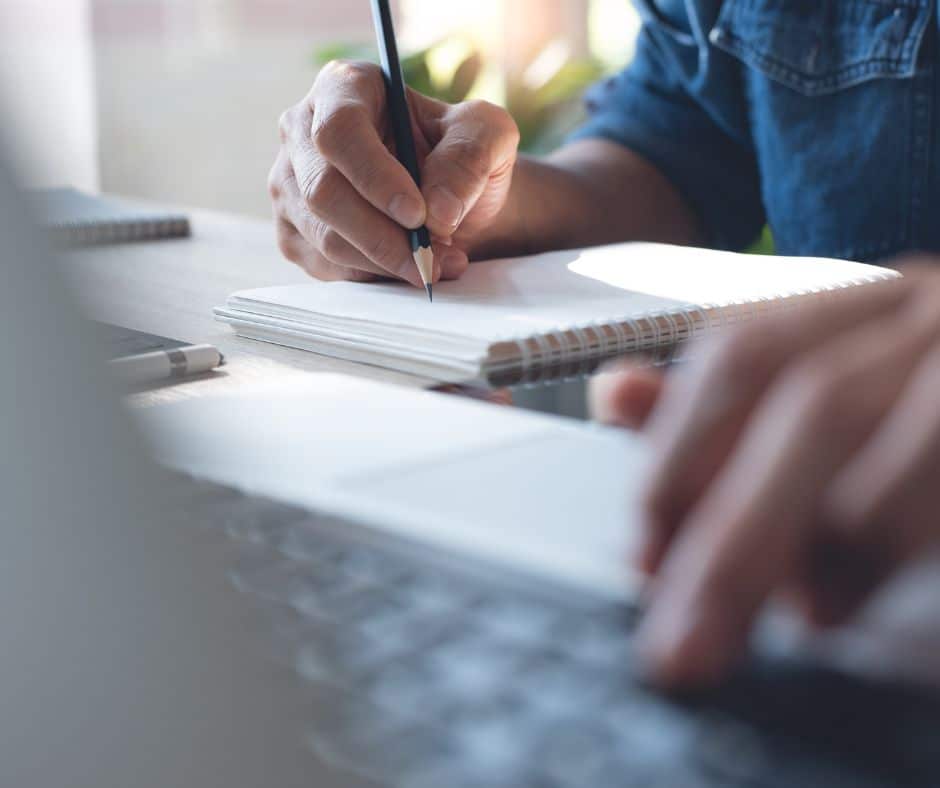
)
(544, 115)
(765, 244)
(417, 74)
(569, 81)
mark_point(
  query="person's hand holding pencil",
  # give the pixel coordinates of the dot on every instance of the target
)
(374, 180)
(342, 199)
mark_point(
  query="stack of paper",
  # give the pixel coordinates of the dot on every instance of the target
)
(548, 315)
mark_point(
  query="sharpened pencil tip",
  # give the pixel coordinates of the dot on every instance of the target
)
(424, 259)
(430, 293)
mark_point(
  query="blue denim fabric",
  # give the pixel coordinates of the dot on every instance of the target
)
(817, 116)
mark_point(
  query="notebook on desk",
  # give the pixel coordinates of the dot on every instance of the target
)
(73, 218)
(547, 316)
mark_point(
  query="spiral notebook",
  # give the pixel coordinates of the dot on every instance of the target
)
(73, 218)
(547, 316)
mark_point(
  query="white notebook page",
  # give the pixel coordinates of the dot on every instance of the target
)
(522, 297)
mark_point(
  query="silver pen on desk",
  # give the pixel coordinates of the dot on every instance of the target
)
(160, 365)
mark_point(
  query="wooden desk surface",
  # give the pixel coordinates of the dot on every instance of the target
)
(169, 288)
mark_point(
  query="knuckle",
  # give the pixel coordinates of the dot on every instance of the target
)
(477, 108)
(322, 189)
(493, 115)
(351, 71)
(472, 156)
(483, 115)
(275, 182)
(331, 72)
(285, 124)
(293, 120)
(363, 72)
(274, 188)
(331, 243)
(331, 132)
(287, 247)
(482, 110)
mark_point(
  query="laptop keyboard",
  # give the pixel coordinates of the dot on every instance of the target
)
(426, 676)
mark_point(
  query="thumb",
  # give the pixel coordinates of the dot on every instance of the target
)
(625, 394)
(478, 142)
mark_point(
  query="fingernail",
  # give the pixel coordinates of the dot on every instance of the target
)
(444, 207)
(601, 403)
(407, 211)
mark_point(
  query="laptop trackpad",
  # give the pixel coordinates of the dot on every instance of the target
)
(552, 503)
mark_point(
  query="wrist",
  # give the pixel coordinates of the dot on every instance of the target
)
(586, 193)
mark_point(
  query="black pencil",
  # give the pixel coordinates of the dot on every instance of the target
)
(401, 129)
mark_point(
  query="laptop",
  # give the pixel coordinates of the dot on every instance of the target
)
(162, 628)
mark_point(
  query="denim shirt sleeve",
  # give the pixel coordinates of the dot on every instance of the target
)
(654, 109)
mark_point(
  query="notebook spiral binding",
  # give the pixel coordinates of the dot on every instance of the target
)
(571, 352)
(121, 230)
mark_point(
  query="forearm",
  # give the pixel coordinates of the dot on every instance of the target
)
(588, 193)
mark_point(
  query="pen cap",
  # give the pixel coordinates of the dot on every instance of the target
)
(199, 356)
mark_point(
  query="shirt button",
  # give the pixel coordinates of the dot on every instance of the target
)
(715, 36)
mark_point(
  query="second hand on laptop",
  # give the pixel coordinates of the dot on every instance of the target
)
(401, 129)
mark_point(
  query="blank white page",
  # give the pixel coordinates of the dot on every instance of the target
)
(522, 297)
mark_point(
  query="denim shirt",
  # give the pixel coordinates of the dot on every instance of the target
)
(819, 117)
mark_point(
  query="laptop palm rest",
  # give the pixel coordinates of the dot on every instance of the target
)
(539, 493)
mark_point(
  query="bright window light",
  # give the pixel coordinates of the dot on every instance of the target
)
(613, 26)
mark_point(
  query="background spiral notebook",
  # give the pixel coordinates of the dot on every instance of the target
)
(73, 218)
(548, 316)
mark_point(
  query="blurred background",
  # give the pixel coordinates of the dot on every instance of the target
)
(178, 100)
